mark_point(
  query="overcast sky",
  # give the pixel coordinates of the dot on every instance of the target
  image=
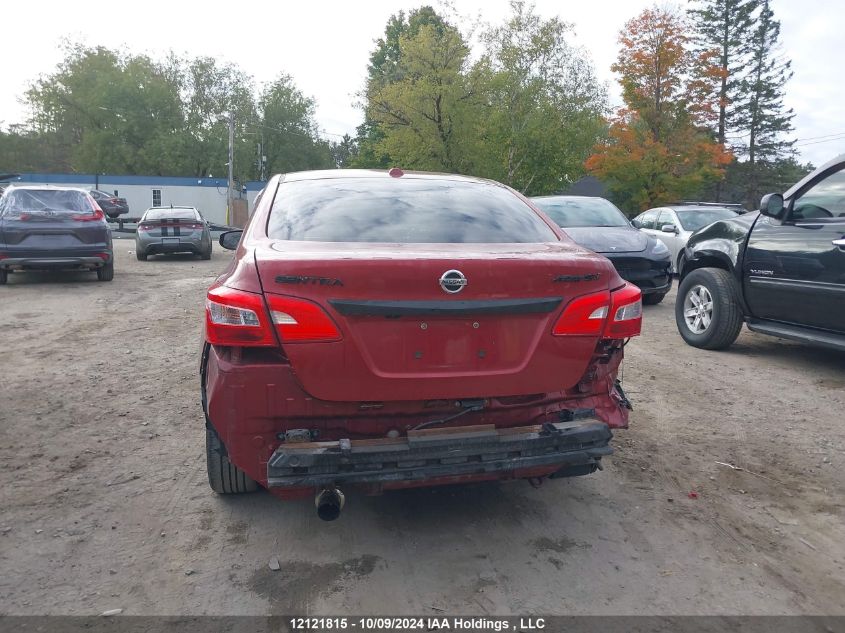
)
(325, 46)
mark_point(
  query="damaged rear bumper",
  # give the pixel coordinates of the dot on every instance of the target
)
(564, 448)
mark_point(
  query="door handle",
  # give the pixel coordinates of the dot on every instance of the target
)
(839, 243)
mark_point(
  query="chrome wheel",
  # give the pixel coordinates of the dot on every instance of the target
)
(698, 309)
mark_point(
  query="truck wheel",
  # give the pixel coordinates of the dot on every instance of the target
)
(706, 310)
(106, 273)
(223, 476)
(653, 299)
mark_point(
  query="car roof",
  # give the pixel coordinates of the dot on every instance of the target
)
(171, 206)
(700, 207)
(322, 174)
(568, 197)
(14, 186)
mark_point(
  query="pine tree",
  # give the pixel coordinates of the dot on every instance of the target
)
(760, 114)
(723, 30)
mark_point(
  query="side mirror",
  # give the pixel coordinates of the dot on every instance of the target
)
(772, 205)
(636, 224)
(230, 239)
(669, 228)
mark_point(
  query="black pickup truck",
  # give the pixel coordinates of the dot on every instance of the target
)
(780, 270)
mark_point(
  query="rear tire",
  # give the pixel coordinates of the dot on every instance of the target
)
(207, 254)
(707, 312)
(141, 255)
(653, 299)
(106, 273)
(223, 476)
(4, 275)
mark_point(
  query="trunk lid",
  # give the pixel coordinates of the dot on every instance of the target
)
(171, 227)
(404, 337)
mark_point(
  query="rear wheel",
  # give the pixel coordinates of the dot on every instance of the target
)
(141, 255)
(706, 310)
(106, 273)
(653, 299)
(4, 275)
(206, 254)
(223, 476)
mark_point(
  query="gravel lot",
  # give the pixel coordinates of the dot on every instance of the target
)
(105, 503)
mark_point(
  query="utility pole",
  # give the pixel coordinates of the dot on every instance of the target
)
(231, 193)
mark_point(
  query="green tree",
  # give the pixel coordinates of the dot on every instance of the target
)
(382, 70)
(345, 151)
(287, 125)
(109, 112)
(102, 110)
(723, 30)
(761, 115)
(426, 116)
(545, 106)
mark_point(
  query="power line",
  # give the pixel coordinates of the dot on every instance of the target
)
(838, 138)
(812, 138)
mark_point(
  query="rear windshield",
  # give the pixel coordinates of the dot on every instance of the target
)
(694, 219)
(572, 212)
(171, 214)
(51, 201)
(396, 210)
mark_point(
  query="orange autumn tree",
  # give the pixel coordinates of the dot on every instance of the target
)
(658, 148)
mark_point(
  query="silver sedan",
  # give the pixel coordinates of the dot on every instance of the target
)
(172, 230)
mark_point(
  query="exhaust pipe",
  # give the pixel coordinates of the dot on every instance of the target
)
(329, 502)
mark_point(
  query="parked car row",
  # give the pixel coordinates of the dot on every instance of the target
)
(44, 227)
(383, 330)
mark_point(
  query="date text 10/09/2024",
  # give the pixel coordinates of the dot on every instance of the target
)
(417, 624)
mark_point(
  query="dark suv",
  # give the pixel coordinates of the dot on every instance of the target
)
(44, 228)
(780, 270)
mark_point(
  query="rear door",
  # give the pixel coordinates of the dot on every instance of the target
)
(794, 271)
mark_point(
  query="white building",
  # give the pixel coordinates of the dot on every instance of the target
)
(142, 192)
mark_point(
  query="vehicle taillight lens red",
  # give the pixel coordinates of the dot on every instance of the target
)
(237, 318)
(145, 227)
(96, 216)
(584, 316)
(626, 312)
(301, 321)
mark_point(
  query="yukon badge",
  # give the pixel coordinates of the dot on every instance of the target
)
(453, 281)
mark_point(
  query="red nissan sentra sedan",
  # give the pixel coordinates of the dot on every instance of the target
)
(380, 330)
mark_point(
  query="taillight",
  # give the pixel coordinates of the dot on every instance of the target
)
(626, 312)
(301, 321)
(96, 216)
(584, 316)
(237, 318)
(145, 227)
(617, 314)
